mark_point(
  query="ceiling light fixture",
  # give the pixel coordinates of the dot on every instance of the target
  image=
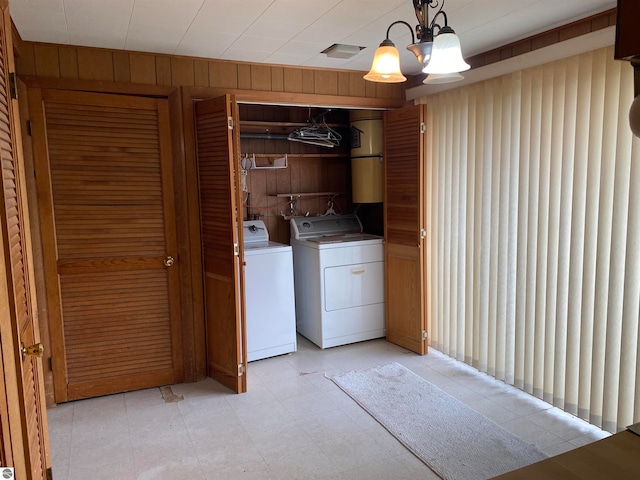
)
(437, 50)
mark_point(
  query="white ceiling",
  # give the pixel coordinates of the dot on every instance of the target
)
(289, 32)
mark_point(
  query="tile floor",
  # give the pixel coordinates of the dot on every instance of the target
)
(293, 423)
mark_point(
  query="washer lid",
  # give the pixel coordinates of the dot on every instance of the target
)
(262, 248)
(309, 227)
(255, 231)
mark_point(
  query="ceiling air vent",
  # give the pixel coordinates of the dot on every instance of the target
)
(340, 50)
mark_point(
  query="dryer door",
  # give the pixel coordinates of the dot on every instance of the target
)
(348, 286)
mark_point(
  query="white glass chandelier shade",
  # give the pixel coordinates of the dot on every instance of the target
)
(446, 55)
(386, 65)
(438, 78)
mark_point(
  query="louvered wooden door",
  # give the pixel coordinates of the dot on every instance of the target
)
(404, 221)
(218, 147)
(23, 434)
(104, 175)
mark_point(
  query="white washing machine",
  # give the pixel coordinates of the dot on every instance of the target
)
(269, 293)
(339, 280)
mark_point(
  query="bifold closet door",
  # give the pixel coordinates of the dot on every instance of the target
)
(104, 175)
(24, 440)
(405, 228)
(218, 147)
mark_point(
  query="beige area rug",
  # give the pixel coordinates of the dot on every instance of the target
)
(455, 441)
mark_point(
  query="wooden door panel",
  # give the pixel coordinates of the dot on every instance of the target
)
(6, 457)
(32, 384)
(120, 329)
(97, 231)
(404, 313)
(218, 147)
(24, 438)
(403, 176)
(106, 202)
(404, 219)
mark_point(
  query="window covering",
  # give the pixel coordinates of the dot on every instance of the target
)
(533, 209)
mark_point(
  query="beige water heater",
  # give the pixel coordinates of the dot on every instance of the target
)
(366, 156)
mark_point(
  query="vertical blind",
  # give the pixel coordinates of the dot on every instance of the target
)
(534, 211)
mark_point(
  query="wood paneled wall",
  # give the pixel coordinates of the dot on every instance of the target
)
(82, 63)
(182, 80)
(310, 168)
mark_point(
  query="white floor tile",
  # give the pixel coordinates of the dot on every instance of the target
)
(150, 468)
(562, 424)
(115, 470)
(589, 438)
(558, 448)
(255, 470)
(293, 423)
(303, 463)
(490, 409)
(101, 453)
(291, 386)
(415, 466)
(99, 408)
(264, 415)
(382, 469)
(277, 439)
(328, 426)
(356, 450)
(520, 402)
(307, 404)
(202, 405)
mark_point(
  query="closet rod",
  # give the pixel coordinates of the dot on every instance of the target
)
(263, 136)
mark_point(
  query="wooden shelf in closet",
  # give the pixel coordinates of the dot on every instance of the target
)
(277, 128)
(307, 194)
(318, 155)
(304, 155)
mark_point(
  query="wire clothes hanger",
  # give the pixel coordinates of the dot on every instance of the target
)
(330, 210)
(318, 133)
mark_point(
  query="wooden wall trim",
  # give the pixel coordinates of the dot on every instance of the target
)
(192, 219)
(37, 249)
(40, 154)
(296, 99)
(555, 35)
(191, 288)
(98, 86)
(242, 96)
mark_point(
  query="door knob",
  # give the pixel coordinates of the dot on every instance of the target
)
(168, 261)
(36, 350)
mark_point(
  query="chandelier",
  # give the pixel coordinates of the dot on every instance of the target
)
(437, 48)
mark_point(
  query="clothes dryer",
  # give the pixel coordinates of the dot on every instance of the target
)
(339, 280)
